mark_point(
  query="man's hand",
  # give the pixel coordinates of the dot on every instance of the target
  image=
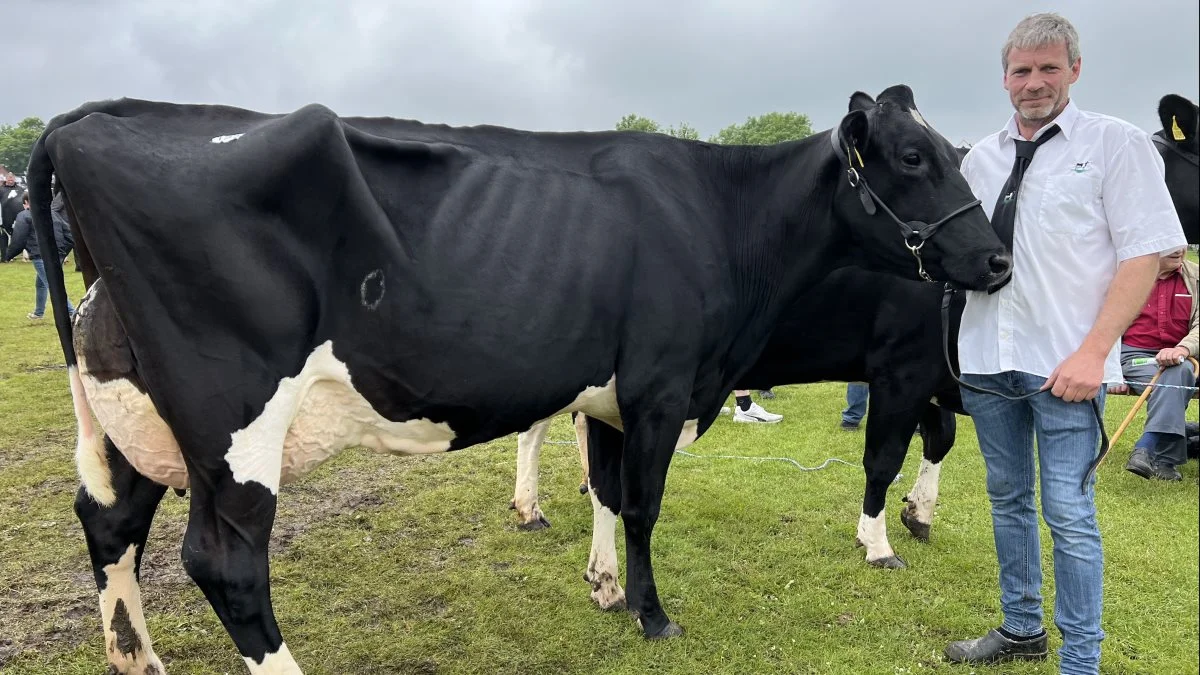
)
(1078, 378)
(1171, 356)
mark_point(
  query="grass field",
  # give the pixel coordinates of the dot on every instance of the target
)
(414, 565)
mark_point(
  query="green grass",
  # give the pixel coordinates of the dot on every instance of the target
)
(414, 565)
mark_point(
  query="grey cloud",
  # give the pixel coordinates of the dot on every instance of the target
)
(548, 64)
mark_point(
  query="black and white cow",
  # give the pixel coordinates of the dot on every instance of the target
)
(286, 286)
(1179, 144)
(854, 326)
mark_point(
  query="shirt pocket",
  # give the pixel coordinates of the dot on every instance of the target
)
(1071, 203)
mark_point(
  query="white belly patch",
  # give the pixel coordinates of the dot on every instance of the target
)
(310, 418)
(315, 415)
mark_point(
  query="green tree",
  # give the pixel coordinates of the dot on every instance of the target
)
(773, 127)
(632, 122)
(16, 143)
(685, 131)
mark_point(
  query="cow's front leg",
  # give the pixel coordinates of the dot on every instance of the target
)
(525, 495)
(652, 434)
(890, 425)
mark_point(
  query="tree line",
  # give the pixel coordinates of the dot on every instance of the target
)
(16, 140)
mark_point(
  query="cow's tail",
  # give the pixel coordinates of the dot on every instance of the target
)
(91, 458)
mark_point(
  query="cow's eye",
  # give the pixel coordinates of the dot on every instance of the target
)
(911, 159)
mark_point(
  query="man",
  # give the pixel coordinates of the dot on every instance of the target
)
(1088, 220)
(25, 239)
(1163, 335)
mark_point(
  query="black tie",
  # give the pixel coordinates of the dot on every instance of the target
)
(1004, 216)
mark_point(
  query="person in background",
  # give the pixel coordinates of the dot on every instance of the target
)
(25, 239)
(1163, 336)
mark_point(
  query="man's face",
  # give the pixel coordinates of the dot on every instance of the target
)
(1168, 264)
(1039, 80)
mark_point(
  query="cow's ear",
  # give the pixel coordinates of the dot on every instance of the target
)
(1178, 117)
(900, 94)
(853, 132)
(860, 101)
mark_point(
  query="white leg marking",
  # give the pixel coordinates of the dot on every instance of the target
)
(278, 663)
(529, 452)
(125, 637)
(872, 533)
(602, 563)
(315, 415)
(581, 439)
(923, 496)
(90, 458)
(688, 435)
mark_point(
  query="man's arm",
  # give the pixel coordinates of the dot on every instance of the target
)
(1079, 377)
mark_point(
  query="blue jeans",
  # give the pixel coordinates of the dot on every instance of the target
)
(1068, 439)
(856, 402)
(41, 291)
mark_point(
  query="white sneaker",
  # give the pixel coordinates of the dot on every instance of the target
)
(755, 414)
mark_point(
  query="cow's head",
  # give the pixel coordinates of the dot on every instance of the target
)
(1179, 145)
(909, 210)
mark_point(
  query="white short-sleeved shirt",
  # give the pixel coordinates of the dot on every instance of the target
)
(1093, 196)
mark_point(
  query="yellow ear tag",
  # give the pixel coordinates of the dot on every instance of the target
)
(860, 162)
(1176, 132)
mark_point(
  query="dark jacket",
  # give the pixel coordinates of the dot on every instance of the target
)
(24, 238)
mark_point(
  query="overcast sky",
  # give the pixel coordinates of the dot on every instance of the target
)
(574, 64)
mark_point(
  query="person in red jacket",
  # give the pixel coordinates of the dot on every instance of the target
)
(1163, 336)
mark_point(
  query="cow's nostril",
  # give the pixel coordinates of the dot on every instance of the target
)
(1000, 263)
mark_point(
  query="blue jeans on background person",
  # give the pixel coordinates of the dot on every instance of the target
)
(1068, 439)
(41, 291)
(856, 403)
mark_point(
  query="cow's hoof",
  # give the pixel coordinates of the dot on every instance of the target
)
(919, 530)
(583, 488)
(892, 562)
(670, 630)
(538, 523)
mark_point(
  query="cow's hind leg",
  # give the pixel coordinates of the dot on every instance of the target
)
(890, 425)
(604, 455)
(525, 494)
(116, 539)
(937, 435)
(581, 439)
(225, 553)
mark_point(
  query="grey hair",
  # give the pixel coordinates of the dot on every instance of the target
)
(1039, 30)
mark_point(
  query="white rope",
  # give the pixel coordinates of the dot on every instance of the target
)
(770, 459)
(789, 460)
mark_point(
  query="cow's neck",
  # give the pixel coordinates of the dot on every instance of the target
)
(782, 234)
